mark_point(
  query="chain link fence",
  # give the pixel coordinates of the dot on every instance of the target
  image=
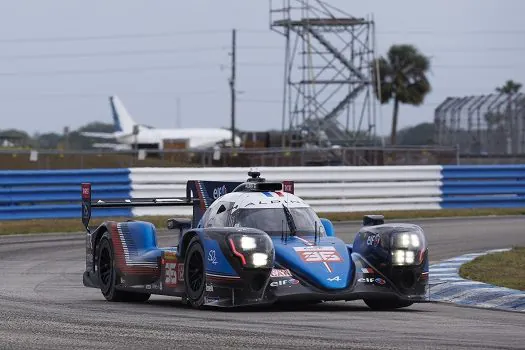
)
(356, 156)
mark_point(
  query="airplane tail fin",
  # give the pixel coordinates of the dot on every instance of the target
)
(122, 120)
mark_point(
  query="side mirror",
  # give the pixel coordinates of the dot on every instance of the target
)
(180, 224)
(373, 220)
(328, 227)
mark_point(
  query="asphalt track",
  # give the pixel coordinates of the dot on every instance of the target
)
(43, 305)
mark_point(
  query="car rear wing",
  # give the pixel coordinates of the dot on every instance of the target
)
(199, 195)
(88, 204)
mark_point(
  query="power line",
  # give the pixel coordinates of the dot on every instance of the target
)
(113, 53)
(111, 36)
(425, 32)
(212, 65)
(452, 32)
(226, 31)
(279, 102)
(136, 94)
(112, 70)
(120, 53)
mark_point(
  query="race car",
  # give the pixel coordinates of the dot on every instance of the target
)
(253, 243)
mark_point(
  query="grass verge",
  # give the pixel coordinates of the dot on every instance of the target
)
(506, 269)
(75, 225)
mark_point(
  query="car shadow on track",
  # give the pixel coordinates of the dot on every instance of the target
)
(288, 307)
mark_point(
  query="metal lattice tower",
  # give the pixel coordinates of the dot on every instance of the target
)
(328, 95)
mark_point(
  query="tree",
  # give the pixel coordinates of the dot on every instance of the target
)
(418, 135)
(402, 78)
(509, 88)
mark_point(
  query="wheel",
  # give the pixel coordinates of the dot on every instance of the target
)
(386, 304)
(107, 275)
(194, 273)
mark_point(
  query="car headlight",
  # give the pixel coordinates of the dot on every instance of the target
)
(259, 259)
(408, 247)
(403, 257)
(248, 243)
(407, 240)
(254, 251)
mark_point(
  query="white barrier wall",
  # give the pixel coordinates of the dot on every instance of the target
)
(326, 189)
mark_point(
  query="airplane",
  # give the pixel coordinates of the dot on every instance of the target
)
(127, 133)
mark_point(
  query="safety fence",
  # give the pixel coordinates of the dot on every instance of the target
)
(56, 193)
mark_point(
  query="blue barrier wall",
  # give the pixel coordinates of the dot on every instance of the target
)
(484, 186)
(56, 193)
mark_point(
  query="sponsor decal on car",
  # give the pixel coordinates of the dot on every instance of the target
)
(154, 286)
(209, 287)
(289, 282)
(180, 270)
(170, 265)
(280, 273)
(211, 300)
(334, 279)
(366, 280)
(367, 270)
(212, 257)
(318, 254)
(314, 254)
(374, 240)
(380, 281)
(372, 280)
(219, 191)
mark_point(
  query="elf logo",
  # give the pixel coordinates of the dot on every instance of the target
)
(281, 283)
(219, 191)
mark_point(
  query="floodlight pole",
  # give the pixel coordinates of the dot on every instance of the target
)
(232, 84)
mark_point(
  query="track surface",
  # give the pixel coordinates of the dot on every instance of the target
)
(43, 305)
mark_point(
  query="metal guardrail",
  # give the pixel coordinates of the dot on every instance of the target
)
(56, 194)
(467, 187)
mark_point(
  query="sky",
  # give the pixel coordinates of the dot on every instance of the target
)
(61, 59)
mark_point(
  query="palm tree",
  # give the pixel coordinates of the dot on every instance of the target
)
(402, 78)
(510, 88)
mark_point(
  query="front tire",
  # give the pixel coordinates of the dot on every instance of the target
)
(386, 304)
(195, 273)
(107, 275)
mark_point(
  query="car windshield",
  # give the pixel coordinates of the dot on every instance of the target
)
(273, 220)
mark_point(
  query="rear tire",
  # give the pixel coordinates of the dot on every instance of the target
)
(195, 273)
(386, 304)
(107, 275)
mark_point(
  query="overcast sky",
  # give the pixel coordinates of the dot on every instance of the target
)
(60, 59)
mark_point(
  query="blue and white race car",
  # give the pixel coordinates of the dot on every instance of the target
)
(253, 243)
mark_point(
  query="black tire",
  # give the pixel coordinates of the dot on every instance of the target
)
(195, 273)
(107, 275)
(386, 304)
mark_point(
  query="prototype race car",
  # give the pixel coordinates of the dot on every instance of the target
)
(253, 243)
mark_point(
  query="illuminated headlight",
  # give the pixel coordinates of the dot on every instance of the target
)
(252, 250)
(403, 257)
(407, 240)
(408, 246)
(248, 243)
(259, 259)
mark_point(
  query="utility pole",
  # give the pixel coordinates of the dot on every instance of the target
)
(178, 113)
(232, 83)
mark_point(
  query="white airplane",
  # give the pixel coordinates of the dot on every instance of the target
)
(149, 137)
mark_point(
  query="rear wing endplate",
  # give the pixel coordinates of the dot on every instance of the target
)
(88, 204)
